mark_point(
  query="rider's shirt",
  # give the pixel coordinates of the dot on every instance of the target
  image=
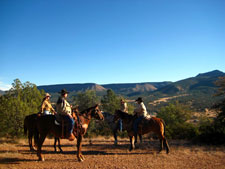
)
(46, 106)
(123, 107)
(141, 110)
(63, 107)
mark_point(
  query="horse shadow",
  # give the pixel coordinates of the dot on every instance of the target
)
(90, 152)
(13, 160)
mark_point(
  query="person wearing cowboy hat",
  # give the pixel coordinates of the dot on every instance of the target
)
(123, 108)
(46, 107)
(140, 112)
(64, 112)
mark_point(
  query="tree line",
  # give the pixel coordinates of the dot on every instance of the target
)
(24, 99)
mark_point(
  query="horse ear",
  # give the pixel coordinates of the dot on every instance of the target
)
(97, 105)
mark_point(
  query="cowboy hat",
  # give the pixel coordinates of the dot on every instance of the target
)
(122, 100)
(139, 99)
(47, 95)
(63, 91)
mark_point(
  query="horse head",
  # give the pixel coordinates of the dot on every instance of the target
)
(97, 113)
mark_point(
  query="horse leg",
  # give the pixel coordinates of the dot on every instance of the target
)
(59, 145)
(140, 137)
(135, 138)
(132, 146)
(36, 138)
(115, 137)
(79, 144)
(30, 135)
(166, 146)
(55, 144)
(40, 143)
(160, 145)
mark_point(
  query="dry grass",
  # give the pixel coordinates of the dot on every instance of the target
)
(103, 154)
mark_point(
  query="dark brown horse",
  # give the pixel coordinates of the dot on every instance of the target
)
(29, 125)
(46, 125)
(152, 124)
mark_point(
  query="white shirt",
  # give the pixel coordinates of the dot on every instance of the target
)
(141, 110)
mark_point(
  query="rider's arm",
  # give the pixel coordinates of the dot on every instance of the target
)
(43, 106)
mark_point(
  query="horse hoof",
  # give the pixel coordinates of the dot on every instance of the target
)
(41, 159)
(82, 157)
(80, 160)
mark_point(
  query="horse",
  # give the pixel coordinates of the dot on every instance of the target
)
(147, 125)
(114, 126)
(29, 125)
(46, 125)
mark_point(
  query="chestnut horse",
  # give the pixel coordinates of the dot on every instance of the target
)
(29, 125)
(152, 124)
(46, 125)
(108, 118)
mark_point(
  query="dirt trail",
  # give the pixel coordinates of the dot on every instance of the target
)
(103, 154)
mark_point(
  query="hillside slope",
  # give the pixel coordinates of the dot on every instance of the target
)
(203, 81)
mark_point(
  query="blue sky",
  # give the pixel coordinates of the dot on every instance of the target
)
(109, 41)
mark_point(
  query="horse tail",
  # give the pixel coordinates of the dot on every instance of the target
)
(36, 133)
(164, 124)
(36, 136)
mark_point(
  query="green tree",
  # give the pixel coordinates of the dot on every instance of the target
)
(19, 101)
(110, 102)
(214, 132)
(86, 100)
(176, 117)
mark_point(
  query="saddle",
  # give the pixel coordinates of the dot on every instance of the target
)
(78, 123)
(64, 125)
(59, 121)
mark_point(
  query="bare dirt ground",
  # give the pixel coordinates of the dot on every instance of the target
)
(103, 154)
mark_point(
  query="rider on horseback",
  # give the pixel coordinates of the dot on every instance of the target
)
(64, 112)
(123, 108)
(46, 107)
(140, 112)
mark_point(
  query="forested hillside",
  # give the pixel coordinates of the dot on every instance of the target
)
(177, 108)
(196, 91)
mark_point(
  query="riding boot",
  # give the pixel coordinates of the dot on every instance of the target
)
(71, 137)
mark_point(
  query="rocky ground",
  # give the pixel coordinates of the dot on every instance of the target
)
(101, 153)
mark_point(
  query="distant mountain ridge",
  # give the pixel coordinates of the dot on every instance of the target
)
(123, 88)
(199, 82)
(72, 87)
(1, 92)
(203, 81)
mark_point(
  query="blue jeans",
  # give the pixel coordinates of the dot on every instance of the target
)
(121, 125)
(70, 122)
(136, 122)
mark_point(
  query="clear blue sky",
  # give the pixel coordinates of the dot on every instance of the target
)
(109, 41)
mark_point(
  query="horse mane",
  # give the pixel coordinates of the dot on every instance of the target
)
(124, 114)
(88, 109)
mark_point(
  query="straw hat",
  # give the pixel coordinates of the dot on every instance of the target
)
(47, 95)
